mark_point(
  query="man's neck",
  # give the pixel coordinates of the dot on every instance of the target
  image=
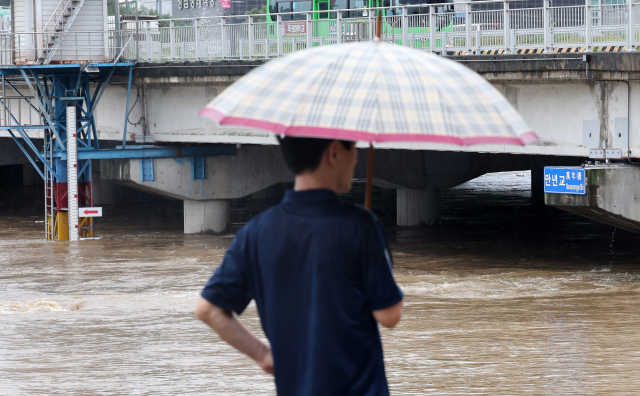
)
(313, 181)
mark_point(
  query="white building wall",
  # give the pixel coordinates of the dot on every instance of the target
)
(23, 21)
(86, 39)
(85, 42)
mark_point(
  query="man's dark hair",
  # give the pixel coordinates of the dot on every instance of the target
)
(304, 154)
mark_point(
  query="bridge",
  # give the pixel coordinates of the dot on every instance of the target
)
(572, 72)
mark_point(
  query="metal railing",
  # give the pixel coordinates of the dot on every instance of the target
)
(77, 47)
(437, 28)
(57, 15)
(18, 111)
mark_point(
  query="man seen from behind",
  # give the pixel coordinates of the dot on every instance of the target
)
(320, 272)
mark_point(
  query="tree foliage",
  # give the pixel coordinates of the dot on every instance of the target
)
(255, 10)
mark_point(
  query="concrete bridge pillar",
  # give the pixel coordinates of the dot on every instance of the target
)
(417, 207)
(206, 215)
(537, 185)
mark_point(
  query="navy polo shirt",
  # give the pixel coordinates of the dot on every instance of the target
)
(317, 267)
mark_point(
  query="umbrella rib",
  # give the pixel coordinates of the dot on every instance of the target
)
(396, 97)
(303, 85)
(363, 69)
(325, 81)
(345, 101)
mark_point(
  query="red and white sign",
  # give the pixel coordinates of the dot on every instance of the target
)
(295, 28)
(226, 4)
(90, 212)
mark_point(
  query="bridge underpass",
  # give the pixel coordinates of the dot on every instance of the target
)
(574, 104)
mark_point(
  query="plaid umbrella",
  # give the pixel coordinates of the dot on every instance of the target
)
(371, 91)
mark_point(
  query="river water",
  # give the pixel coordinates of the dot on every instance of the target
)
(502, 297)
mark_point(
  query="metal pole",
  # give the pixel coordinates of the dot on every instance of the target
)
(467, 26)
(251, 37)
(309, 30)
(405, 28)
(279, 33)
(137, 35)
(338, 28)
(547, 26)
(223, 34)
(432, 30)
(147, 40)
(117, 23)
(196, 27)
(587, 24)
(506, 26)
(631, 28)
(172, 38)
(371, 22)
(126, 114)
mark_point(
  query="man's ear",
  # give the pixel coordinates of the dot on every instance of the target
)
(332, 152)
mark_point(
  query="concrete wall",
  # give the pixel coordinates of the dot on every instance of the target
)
(252, 169)
(612, 197)
(164, 104)
(556, 111)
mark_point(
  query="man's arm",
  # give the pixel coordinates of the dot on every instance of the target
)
(390, 316)
(227, 325)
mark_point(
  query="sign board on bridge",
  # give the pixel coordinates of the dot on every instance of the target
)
(90, 212)
(564, 181)
(295, 28)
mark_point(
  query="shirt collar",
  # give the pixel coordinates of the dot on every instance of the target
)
(310, 196)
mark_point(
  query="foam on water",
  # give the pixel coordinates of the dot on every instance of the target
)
(28, 307)
(500, 298)
(515, 285)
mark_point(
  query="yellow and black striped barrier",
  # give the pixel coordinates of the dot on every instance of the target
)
(608, 48)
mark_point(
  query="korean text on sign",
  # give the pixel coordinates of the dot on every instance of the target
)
(564, 180)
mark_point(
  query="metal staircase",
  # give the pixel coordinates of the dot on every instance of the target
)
(57, 27)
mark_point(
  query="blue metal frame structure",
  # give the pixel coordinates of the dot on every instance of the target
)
(53, 88)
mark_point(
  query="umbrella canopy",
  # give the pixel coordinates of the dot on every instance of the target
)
(371, 91)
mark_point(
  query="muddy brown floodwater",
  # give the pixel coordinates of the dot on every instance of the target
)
(502, 297)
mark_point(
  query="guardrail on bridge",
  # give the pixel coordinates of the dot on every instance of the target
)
(446, 29)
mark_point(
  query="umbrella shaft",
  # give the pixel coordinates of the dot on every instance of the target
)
(369, 187)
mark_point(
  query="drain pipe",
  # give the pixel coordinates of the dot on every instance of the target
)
(629, 126)
(628, 120)
(629, 123)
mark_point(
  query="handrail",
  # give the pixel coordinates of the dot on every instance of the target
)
(54, 13)
(462, 28)
(124, 47)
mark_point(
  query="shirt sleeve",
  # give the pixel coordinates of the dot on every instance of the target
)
(377, 268)
(229, 287)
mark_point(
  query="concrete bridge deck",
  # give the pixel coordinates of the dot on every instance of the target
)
(555, 93)
(574, 102)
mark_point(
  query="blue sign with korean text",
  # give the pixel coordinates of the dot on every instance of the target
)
(564, 181)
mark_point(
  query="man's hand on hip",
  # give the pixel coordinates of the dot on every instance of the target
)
(229, 328)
